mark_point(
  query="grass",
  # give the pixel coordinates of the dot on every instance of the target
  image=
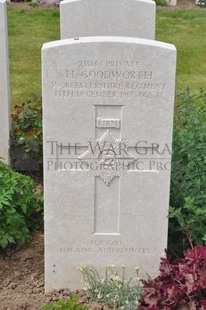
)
(186, 30)
(30, 28)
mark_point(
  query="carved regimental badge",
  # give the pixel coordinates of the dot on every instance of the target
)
(107, 157)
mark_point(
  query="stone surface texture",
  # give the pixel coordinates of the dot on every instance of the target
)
(85, 18)
(4, 85)
(108, 118)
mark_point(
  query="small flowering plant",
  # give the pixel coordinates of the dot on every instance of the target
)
(114, 290)
(180, 285)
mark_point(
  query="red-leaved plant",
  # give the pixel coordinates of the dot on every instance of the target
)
(180, 285)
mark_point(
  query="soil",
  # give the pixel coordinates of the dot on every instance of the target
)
(21, 276)
(22, 279)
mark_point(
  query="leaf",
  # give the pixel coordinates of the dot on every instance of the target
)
(18, 203)
(198, 252)
(3, 242)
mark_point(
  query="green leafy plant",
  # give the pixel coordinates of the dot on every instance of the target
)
(201, 3)
(18, 207)
(33, 3)
(188, 177)
(113, 290)
(161, 2)
(26, 135)
(64, 304)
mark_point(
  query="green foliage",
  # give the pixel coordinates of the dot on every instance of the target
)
(33, 4)
(188, 180)
(18, 207)
(201, 3)
(113, 290)
(26, 135)
(161, 2)
(63, 304)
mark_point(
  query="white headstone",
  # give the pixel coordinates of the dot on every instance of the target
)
(108, 117)
(130, 18)
(4, 85)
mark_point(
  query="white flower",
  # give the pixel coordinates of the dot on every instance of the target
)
(87, 288)
(110, 266)
(115, 278)
(81, 268)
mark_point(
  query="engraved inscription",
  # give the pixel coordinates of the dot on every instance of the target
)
(105, 250)
(110, 74)
(107, 123)
(105, 247)
(110, 63)
(115, 80)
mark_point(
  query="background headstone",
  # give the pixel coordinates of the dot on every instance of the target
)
(4, 85)
(108, 117)
(172, 2)
(86, 18)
